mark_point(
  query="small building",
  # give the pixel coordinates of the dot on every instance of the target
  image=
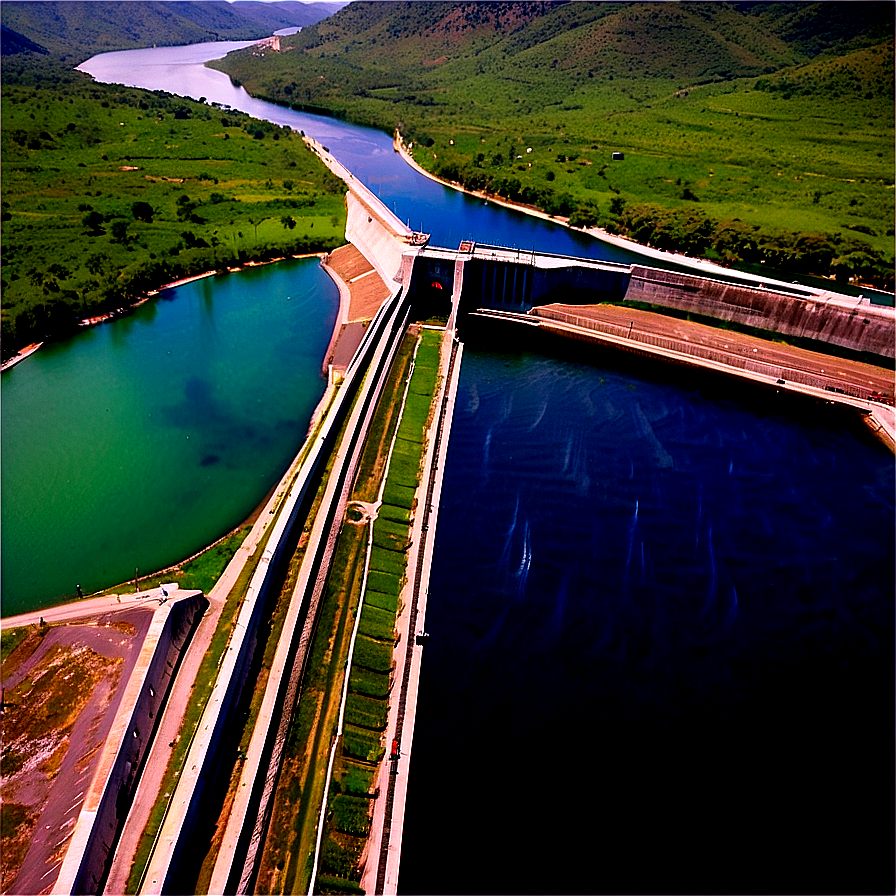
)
(618, 156)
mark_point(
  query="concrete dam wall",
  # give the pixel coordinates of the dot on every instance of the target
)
(380, 241)
(851, 323)
(511, 280)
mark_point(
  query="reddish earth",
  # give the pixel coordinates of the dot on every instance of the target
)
(52, 737)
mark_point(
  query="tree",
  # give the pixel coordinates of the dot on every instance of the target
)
(96, 263)
(93, 221)
(288, 221)
(119, 231)
(142, 211)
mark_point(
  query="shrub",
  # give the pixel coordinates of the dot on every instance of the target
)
(399, 495)
(390, 536)
(357, 779)
(368, 683)
(384, 560)
(363, 744)
(373, 654)
(377, 623)
(383, 581)
(366, 712)
(383, 601)
(351, 815)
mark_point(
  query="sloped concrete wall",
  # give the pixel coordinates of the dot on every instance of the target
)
(379, 243)
(115, 782)
(850, 323)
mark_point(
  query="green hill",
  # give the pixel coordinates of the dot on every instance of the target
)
(110, 191)
(734, 118)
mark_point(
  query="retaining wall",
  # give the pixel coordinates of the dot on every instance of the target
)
(107, 803)
(851, 323)
(377, 241)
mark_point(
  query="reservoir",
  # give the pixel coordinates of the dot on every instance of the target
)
(139, 442)
(661, 639)
(661, 606)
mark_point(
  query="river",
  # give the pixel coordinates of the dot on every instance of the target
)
(661, 607)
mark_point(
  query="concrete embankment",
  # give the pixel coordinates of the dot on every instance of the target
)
(109, 796)
(851, 323)
(372, 231)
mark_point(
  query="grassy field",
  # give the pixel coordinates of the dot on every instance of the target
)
(368, 701)
(109, 192)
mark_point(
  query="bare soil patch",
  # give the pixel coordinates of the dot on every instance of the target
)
(59, 688)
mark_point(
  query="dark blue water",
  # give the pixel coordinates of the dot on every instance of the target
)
(662, 641)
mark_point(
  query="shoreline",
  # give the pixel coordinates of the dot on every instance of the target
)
(316, 416)
(118, 313)
(26, 352)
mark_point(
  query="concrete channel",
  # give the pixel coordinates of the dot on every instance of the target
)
(382, 238)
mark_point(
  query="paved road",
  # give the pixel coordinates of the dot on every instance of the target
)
(89, 608)
(172, 716)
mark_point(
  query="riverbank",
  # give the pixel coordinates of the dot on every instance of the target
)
(703, 266)
(26, 352)
(118, 313)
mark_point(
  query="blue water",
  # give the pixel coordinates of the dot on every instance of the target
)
(139, 442)
(661, 654)
(448, 215)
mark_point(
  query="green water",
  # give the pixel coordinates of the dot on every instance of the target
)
(138, 442)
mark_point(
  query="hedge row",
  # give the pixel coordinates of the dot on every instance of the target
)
(369, 683)
(363, 744)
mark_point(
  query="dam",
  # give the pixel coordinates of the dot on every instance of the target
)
(515, 289)
(502, 279)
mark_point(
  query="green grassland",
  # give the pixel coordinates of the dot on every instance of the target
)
(109, 192)
(759, 128)
(370, 677)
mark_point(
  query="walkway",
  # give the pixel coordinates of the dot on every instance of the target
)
(726, 346)
(785, 367)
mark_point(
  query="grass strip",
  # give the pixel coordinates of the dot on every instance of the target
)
(377, 623)
(367, 704)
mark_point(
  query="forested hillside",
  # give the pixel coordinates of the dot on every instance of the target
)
(73, 30)
(751, 132)
(109, 192)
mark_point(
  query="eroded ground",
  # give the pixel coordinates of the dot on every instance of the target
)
(62, 685)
